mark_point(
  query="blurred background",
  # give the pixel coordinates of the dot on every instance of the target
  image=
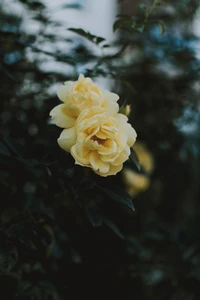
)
(61, 236)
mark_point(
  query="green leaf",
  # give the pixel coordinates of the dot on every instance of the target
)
(141, 6)
(159, 3)
(86, 184)
(93, 216)
(23, 287)
(4, 149)
(130, 24)
(140, 29)
(92, 38)
(9, 145)
(119, 195)
(99, 39)
(34, 4)
(125, 23)
(114, 228)
(106, 46)
(134, 158)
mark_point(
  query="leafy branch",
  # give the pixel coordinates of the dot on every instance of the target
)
(134, 24)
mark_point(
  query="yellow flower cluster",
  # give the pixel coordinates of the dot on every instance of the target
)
(95, 134)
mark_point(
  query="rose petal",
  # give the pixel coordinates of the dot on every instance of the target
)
(61, 118)
(110, 102)
(110, 147)
(63, 90)
(123, 156)
(112, 97)
(97, 164)
(81, 155)
(109, 158)
(101, 135)
(93, 145)
(121, 119)
(112, 171)
(67, 139)
(128, 129)
(131, 134)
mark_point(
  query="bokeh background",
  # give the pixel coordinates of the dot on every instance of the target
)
(66, 233)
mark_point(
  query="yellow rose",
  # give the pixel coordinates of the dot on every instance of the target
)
(79, 95)
(99, 140)
(135, 182)
(145, 157)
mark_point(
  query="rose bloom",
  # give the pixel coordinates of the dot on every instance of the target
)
(99, 141)
(145, 157)
(79, 95)
(135, 182)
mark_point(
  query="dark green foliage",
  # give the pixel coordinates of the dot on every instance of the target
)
(66, 233)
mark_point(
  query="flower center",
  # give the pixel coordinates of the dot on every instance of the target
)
(100, 141)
